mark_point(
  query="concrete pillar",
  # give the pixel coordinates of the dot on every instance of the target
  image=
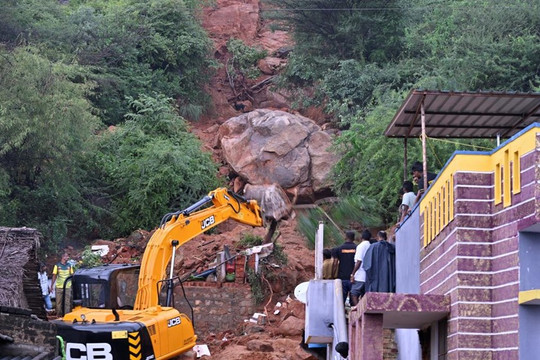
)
(371, 333)
(354, 339)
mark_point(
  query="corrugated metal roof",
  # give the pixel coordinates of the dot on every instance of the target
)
(465, 114)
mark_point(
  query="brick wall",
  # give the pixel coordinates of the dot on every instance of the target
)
(390, 351)
(26, 330)
(218, 306)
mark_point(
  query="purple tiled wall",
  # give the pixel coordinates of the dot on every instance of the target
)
(475, 260)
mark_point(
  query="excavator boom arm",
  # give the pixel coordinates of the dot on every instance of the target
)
(184, 226)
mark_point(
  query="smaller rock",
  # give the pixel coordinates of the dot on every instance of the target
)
(301, 354)
(212, 129)
(297, 309)
(252, 328)
(259, 345)
(292, 326)
(265, 68)
(284, 51)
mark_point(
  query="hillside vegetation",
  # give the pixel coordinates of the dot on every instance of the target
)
(94, 97)
(363, 57)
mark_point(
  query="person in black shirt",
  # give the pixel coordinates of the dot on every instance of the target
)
(345, 254)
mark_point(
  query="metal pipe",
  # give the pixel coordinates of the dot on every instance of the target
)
(170, 287)
(174, 244)
(319, 245)
(341, 337)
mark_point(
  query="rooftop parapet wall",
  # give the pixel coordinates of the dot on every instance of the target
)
(504, 165)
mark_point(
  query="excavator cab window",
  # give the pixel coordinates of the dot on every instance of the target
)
(92, 294)
(126, 288)
(108, 286)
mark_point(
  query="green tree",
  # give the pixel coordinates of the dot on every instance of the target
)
(129, 47)
(471, 45)
(327, 31)
(144, 46)
(45, 124)
(363, 78)
(151, 165)
(351, 212)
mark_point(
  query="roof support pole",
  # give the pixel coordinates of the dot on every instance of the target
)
(404, 158)
(424, 156)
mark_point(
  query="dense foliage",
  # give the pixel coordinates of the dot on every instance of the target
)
(68, 69)
(363, 58)
(45, 125)
(129, 47)
(244, 59)
(151, 164)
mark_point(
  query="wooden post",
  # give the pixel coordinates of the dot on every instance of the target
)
(404, 159)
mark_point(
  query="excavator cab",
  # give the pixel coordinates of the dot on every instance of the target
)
(111, 286)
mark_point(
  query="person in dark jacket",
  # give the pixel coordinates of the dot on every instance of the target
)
(345, 254)
(380, 265)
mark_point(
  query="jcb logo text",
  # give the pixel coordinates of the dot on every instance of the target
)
(173, 322)
(92, 351)
(207, 222)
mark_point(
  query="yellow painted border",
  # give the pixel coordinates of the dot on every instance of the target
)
(529, 296)
(505, 165)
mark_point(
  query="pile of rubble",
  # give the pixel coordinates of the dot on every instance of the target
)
(275, 334)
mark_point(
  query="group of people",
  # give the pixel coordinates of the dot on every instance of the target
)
(369, 266)
(408, 197)
(61, 271)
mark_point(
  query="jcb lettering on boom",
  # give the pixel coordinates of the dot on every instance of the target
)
(208, 222)
(90, 351)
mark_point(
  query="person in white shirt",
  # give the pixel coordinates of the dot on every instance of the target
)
(358, 276)
(408, 201)
(44, 283)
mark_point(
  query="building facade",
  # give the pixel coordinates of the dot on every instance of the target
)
(474, 238)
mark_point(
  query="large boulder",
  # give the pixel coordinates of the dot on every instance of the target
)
(275, 147)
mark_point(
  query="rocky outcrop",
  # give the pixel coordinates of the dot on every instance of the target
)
(241, 19)
(276, 147)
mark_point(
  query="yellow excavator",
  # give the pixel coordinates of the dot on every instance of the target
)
(114, 319)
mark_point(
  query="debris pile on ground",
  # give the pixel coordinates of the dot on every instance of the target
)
(124, 250)
(277, 337)
(277, 334)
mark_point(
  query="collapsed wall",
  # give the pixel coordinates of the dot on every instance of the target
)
(24, 335)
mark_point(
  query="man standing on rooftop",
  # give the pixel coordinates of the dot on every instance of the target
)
(345, 254)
